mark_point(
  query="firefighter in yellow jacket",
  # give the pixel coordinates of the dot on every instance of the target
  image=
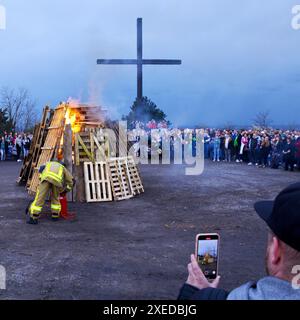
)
(56, 179)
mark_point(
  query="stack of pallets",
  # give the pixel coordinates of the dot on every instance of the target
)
(89, 152)
(116, 179)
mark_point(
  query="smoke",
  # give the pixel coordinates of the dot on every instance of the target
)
(73, 102)
(97, 84)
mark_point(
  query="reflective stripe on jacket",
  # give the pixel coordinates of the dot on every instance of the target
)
(53, 173)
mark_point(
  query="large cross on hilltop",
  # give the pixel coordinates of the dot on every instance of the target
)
(139, 62)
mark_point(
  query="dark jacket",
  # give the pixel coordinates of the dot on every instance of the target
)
(297, 146)
(252, 143)
(188, 292)
(291, 151)
(268, 288)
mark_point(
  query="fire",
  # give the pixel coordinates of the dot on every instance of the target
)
(73, 118)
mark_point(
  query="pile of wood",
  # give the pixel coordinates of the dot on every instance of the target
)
(75, 134)
(116, 178)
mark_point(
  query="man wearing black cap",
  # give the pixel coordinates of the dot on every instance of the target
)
(282, 257)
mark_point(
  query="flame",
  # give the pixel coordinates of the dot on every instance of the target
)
(73, 118)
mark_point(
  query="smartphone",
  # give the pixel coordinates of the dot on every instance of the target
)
(207, 254)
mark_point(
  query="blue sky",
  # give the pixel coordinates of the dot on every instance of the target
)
(239, 57)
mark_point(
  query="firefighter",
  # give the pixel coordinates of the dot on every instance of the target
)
(57, 180)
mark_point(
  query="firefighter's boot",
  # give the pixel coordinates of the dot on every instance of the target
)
(32, 221)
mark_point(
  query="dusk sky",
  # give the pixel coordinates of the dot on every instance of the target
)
(239, 57)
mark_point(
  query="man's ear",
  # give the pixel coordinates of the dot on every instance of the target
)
(275, 251)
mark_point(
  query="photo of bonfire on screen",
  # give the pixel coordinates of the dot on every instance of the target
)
(208, 256)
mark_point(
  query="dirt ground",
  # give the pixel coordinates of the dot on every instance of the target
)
(137, 249)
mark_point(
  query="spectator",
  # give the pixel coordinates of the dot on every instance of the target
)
(222, 146)
(282, 254)
(26, 145)
(276, 156)
(243, 147)
(252, 144)
(265, 150)
(237, 146)
(217, 145)
(228, 147)
(7, 144)
(206, 144)
(2, 148)
(18, 144)
(289, 155)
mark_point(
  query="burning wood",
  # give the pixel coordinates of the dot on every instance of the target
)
(75, 135)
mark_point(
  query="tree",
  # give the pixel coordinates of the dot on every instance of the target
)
(4, 123)
(145, 110)
(263, 120)
(30, 117)
(19, 107)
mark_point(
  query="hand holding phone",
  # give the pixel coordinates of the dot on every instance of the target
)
(196, 277)
(207, 254)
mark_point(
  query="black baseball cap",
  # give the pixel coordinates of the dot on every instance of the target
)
(283, 215)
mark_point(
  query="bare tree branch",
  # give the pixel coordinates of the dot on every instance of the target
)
(19, 106)
(263, 120)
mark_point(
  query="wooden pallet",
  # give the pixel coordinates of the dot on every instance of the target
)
(38, 139)
(120, 179)
(136, 182)
(121, 146)
(50, 146)
(89, 147)
(84, 147)
(97, 182)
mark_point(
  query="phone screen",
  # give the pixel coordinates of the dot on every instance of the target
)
(207, 254)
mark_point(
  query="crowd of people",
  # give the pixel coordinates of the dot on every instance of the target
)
(263, 148)
(14, 146)
(272, 148)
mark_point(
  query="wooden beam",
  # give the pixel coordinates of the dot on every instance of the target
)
(67, 152)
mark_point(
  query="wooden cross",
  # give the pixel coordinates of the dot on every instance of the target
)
(139, 62)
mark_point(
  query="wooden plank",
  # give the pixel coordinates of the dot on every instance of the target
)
(137, 185)
(79, 192)
(77, 157)
(88, 153)
(51, 145)
(68, 154)
(92, 145)
(97, 183)
(119, 179)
